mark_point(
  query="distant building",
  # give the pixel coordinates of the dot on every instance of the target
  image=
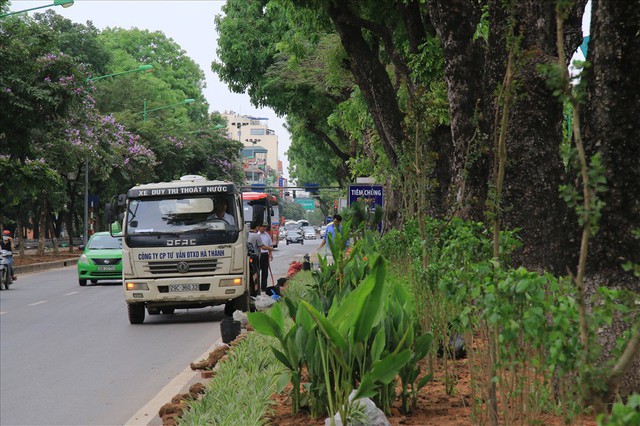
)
(260, 152)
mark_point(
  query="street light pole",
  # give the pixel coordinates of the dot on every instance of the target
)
(86, 200)
(145, 110)
(147, 68)
(63, 3)
(253, 148)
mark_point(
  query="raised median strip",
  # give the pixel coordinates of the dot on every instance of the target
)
(35, 267)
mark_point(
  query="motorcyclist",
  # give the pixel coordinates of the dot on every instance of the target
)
(7, 244)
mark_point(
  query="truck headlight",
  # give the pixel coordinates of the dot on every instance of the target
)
(136, 286)
(229, 282)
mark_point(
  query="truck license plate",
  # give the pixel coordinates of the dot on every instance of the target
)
(107, 268)
(183, 287)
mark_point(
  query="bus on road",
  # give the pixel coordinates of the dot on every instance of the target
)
(262, 207)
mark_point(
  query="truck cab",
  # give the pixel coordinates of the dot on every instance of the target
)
(184, 246)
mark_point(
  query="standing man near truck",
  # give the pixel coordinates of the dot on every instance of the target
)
(266, 255)
(254, 270)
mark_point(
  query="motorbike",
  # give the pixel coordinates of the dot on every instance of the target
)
(5, 269)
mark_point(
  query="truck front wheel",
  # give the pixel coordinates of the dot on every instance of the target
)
(136, 313)
(243, 302)
(238, 304)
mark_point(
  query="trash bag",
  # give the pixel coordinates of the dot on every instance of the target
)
(241, 317)
(263, 302)
(456, 348)
(229, 329)
(371, 414)
(294, 268)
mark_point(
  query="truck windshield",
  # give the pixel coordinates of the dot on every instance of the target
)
(181, 215)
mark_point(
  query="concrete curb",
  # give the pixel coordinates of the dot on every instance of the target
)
(35, 267)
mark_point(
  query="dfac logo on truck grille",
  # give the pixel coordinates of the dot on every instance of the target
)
(191, 242)
(182, 267)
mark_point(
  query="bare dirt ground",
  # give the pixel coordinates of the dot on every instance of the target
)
(435, 406)
(29, 259)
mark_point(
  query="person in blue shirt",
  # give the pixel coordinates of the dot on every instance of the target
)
(331, 230)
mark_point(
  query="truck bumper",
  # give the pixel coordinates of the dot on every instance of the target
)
(184, 292)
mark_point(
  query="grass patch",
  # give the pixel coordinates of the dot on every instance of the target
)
(239, 392)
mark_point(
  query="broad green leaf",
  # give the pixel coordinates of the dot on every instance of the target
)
(328, 329)
(378, 345)
(276, 314)
(304, 319)
(386, 370)
(370, 313)
(367, 388)
(282, 358)
(264, 324)
(283, 380)
(426, 379)
(422, 346)
(350, 308)
(293, 352)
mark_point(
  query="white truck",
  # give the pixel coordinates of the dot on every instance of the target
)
(184, 246)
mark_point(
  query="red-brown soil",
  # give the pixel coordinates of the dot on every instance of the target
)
(29, 259)
(435, 407)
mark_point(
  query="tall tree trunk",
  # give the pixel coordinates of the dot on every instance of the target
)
(42, 226)
(372, 78)
(69, 225)
(455, 22)
(530, 200)
(612, 128)
(534, 172)
(21, 235)
(53, 235)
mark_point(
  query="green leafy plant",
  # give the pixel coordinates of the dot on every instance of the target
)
(622, 414)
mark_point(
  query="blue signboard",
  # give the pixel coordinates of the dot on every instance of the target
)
(371, 195)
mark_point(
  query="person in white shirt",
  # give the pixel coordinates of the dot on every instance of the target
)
(266, 255)
(256, 242)
(221, 212)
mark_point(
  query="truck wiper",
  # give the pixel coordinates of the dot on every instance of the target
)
(151, 233)
(202, 229)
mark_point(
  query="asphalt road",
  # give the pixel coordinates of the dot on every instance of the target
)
(68, 355)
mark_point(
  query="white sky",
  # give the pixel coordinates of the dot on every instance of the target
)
(190, 24)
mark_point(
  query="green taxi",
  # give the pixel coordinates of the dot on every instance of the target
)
(101, 260)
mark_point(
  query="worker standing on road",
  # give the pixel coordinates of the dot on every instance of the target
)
(331, 229)
(254, 270)
(266, 255)
(7, 244)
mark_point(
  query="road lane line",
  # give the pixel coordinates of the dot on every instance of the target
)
(73, 292)
(2, 313)
(147, 414)
(38, 303)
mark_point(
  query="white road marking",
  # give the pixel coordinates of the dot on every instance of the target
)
(38, 303)
(2, 313)
(73, 292)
